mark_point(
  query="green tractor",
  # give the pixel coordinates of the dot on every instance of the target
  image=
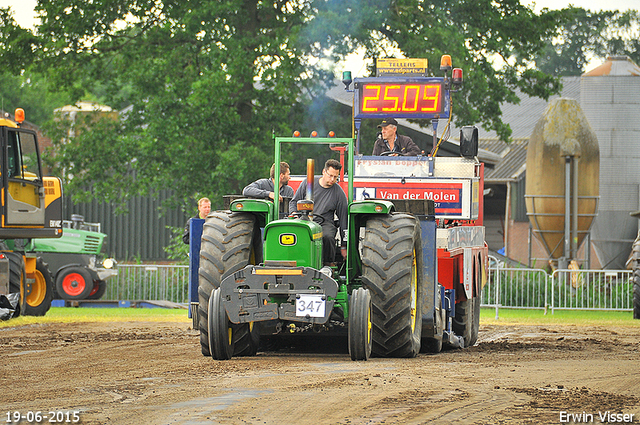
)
(75, 260)
(252, 285)
(416, 258)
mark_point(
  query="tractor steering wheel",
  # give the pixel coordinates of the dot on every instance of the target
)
(387, 153)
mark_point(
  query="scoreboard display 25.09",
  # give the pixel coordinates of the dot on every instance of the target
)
(377, 98)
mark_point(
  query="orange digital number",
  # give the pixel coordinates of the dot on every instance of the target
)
(432, 96)
(391, 98)
(408, 97)
(373, 98)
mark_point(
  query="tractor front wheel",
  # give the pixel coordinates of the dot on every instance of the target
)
(99, 288)
(360, 338)
(220, 331)
(74, 283)
(391, 265)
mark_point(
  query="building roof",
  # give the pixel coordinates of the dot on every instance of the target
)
(618, 66)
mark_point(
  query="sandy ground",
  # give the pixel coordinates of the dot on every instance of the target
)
(154, 373)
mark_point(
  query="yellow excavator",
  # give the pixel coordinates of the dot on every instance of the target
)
(31, 207)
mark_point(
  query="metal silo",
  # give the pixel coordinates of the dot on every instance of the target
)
(610, 98)
(562, 179)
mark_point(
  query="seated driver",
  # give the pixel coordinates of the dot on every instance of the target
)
(393, 142)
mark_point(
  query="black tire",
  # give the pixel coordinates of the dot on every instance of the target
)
(16, 278)
(230, 241)
(99, 288)
(391, 258)
(360, 328)
(74, 283)
(246, 339)
(434, 344)
(466, 323)
(40, 292)
(220, 331)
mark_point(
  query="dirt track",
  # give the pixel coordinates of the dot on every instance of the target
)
(153, 373)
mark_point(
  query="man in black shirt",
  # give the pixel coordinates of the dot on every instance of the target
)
(328, 199)
(391, 141)
(204, 208)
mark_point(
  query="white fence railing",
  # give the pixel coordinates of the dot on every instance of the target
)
(149, 282)
(506, 287)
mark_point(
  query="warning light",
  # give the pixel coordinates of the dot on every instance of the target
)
(296, 133)
(457, 77)
(445, 63)
(19, 115)
(331, 134)
(314, 134)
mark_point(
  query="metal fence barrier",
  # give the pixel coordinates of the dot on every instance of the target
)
(149, 282)
(506, 287)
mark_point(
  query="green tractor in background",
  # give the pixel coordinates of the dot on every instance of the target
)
(75, 260)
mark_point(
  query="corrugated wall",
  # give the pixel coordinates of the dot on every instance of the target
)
(140, 234)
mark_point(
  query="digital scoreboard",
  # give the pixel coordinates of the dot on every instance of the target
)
(400, 98)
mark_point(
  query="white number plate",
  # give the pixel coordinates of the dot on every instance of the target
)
(312, 305)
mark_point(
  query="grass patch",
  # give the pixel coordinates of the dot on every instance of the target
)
(487, 317)
(559, 317)
(88, 314)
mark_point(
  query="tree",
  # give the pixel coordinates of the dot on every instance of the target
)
(492, 41)
(198, 121)
(208, 83)
(587, 34)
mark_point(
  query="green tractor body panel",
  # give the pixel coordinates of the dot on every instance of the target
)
(371, 207)
(262, 208)
(73, 241)
(294, 240)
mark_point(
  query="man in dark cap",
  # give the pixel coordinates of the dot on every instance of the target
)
(391, 141)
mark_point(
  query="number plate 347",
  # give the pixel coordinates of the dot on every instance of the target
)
(310, 305)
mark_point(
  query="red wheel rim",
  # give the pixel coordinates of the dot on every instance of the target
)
(73, 284)
(96, 286)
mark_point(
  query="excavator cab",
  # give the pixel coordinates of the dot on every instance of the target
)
(23, 201)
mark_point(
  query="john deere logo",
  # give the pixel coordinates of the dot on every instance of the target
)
(287, 239)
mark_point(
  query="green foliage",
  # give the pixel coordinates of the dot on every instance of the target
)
(478, 34)
(177, 249)
(584, 34)
(205, 87)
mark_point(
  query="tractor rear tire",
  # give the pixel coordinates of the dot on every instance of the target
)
(230, 241)
(360, 329)
(246, 339)
(41, 293)
(391, 261)
(74, 283)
